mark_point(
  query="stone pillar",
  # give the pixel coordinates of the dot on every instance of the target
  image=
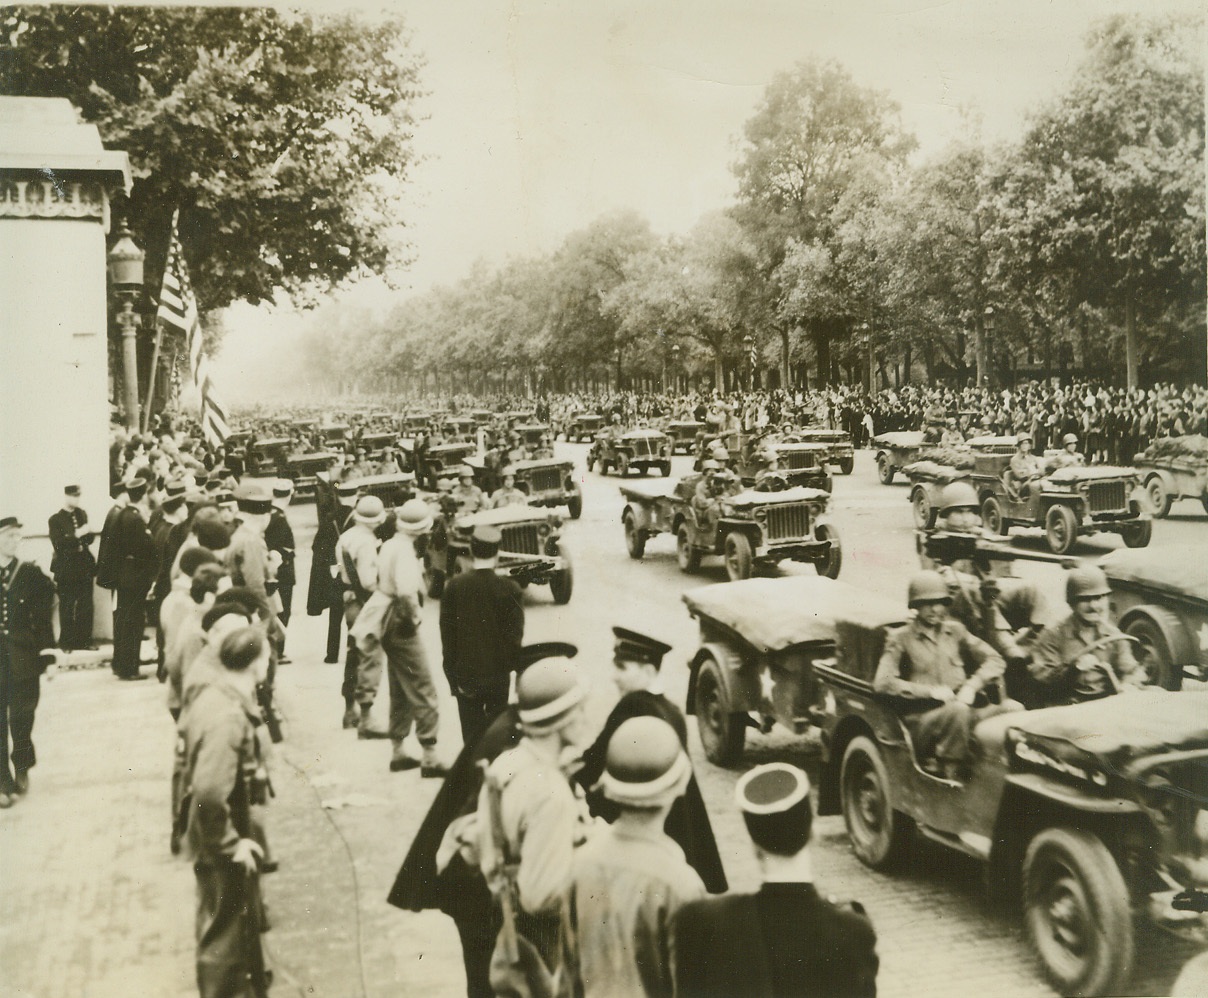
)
(55, 182)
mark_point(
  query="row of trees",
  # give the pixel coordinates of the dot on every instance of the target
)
(1083, 243)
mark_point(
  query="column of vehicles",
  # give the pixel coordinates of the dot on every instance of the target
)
(1093, 816)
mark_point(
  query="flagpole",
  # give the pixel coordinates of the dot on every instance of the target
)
(159, 339)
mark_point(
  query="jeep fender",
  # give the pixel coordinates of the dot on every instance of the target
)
(748, 528)
(1168, 482)
(741, 684)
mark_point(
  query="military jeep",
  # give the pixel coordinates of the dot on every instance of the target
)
(1069, 503)
(1091, 813)
(549, 482)
(755, 531)
(639, 449)
(583, 426)
(531, 550)
(838, 442)
(443, 460)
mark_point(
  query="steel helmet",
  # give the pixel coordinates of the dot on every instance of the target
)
(1021, 437)
(710, 465)
(1085, 583)
(1069, 438)
(927, 587)
(958, 495)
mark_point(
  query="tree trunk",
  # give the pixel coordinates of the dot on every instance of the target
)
(1130, 339)
(822, 349)
(719, 374)
(785, 370)
(907, 360)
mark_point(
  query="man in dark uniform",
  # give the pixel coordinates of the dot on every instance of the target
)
(171, 513)
(279, 536)
(786, 940)
(638, 659)
(481, 627)
(135, 568)
(26, 604)
(73, 568)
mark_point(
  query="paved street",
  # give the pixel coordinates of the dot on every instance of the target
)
(97, 907)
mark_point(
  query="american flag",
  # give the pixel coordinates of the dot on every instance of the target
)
(178, 310)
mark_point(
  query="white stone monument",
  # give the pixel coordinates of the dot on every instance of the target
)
(55, 182)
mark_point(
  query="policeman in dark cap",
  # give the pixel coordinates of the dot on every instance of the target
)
(638, 659)
(279, 536)
(73, 568)
(135, 569)
(481, 627)
(786, 939)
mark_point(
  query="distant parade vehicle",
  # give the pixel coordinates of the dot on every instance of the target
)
(755, 530)
(393, 489)
(268, 457)
(1093, 813)
(550, 482)
(684, 435)
(459, 428)
(797, 463)
(531, 552)
(639, 449)
(841, 452)
(583, 426)
(895, 451)
(1070, 503)
(303, 470)
(334, 433)
(441, 461)
(1160, 598)
(1174, 468)
(760, 641)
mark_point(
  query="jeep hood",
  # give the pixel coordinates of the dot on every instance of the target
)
(751, 498)
(1117, 730)
(548, 462)
(1094, 474)
(503, 515)
(899, 438)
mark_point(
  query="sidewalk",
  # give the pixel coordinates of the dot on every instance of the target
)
(95, 906)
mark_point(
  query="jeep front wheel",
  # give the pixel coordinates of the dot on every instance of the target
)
(1158, 495)
(924, 512)
(722, 732)
(562, 582)
(846, 464)
(1060, 529)
(1077, 913)
(738, 557)
(623, 465)
(993, 517)
(834, 558)
(879, 834)
(574, 506)
(1139, 534)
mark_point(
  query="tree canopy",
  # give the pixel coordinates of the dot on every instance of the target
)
(282, 138)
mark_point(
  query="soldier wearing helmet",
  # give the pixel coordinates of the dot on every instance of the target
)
(507, 494)
(1024, 470)
(768, 478)
(1085, 656)
(940, 672)
(952, 436)
(1069, 456)
(716, 482)
(468, 496)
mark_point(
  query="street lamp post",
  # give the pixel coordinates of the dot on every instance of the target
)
(866, 336)
(748, 343)
(987, 346)
(675, 368)
(126, 274)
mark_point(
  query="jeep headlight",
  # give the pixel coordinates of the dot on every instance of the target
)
(761, 514)
(543, 530)
(555, 522)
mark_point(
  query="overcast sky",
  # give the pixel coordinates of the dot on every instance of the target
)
(544, 115)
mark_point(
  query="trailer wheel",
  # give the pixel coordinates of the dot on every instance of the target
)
(1158, 495)
(879, 834)
(924, 512)
(665, 468)
(738, 556)
(1060, 529)
(574, 506)
(1077, 914)
(722, 732)
(687, 556)
(1138, 535)
(885, 470)
(635, 539)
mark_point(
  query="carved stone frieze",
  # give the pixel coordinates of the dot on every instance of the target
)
(53, 198)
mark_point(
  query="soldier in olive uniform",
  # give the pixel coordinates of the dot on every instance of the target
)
(507, 494)
(469, 497)
(73, 568)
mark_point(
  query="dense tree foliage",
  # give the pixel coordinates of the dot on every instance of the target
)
(282, 138)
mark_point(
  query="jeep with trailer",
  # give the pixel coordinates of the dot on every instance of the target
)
(684, 434)
(896, 450)
(754, 532)
(841, 453)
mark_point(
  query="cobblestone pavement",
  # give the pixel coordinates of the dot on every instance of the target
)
(94, 905)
